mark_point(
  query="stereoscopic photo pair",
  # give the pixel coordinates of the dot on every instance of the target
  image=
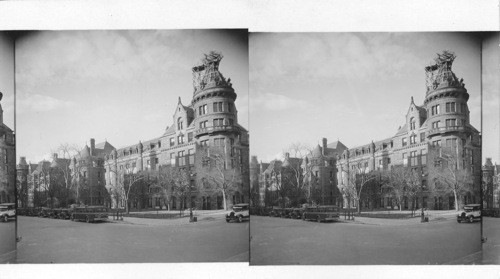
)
(167, 146)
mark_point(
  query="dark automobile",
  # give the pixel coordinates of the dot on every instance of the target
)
(296, 213)
(321, 213)
(239, 213)
(65, 213)
(89, 214)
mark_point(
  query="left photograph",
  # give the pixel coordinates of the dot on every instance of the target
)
(7, 151)
(133, 146)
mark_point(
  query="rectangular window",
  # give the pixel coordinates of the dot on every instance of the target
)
(403, 141)
(204, 143)
(215, 107)
(450, 122)
(219, 142)
(435, 124)
(156, 160)
(172, 141)
(220, 107)
(180, 139)
(190, 137)
(422, 137)
(413, 139)
(218, 122)
(231, 122)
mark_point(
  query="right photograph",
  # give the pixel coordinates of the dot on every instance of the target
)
(368, 149)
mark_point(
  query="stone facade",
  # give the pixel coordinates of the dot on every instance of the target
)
(210, 121)
(7, 162)
(441, 121)
(491, 185)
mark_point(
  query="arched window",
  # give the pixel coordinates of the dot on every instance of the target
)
(179, 123)
(412, 123)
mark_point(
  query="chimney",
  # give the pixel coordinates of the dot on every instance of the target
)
(287, 155)
(54, 156)
(324, 146)
(92, 147)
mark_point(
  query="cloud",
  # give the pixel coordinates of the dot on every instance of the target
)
(275, 102)
(41, 103)
(317, 57)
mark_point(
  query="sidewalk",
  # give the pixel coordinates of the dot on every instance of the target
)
(433, 215)
(202, 216)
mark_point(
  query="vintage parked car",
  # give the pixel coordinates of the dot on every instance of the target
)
(89, 214)
(64, 213)
(321, 213)
(296, 213)
(239, 213)
(471, 213)
(7, 210)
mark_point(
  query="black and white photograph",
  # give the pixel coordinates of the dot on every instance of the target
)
(249, 139)
(7, 151)
(368, 149)
(133, 146)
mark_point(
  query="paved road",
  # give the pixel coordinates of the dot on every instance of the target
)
(7, 241)
(491, 248)
(61, 241)
(276, 241)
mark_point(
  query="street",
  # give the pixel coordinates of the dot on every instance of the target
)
(7, 241)
(276, 241)
(167, 241)
(491, 248)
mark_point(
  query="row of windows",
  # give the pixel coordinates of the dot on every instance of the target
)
(217, 122)
(180, 139)
(449, 107)
(450, 123)
(217, 107)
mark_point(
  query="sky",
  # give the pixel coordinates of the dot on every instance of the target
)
(7, 78)
(119, 86)
(491, 100)
(352, 87)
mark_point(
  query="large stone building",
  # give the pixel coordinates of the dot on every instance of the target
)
(209, 123)
(442, 121)
(491, 184)
(7, 161)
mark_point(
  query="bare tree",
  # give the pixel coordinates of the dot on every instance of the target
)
(68, 173)
(165, 179)
(218, 173)
(396, 180)
(127, 180)
(181, 185)
(359, 177)
(298, 152)
(414, 187)
(450, 174)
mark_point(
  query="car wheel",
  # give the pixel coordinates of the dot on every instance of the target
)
(458, 220)
(240, 219)
(227, 220)
(5, 218)
(87, 219)
(471, 219)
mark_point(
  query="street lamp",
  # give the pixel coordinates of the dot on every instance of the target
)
(422, 215)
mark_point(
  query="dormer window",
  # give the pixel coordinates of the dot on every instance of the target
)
(412, 123)
(179, 124)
